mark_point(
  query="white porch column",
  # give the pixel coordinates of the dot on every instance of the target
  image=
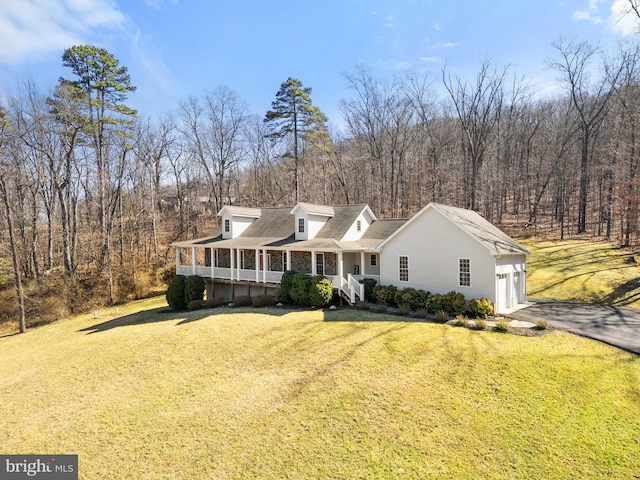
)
(193, 260)
(362, 263)
(238, 263)
(288, 259)
(232, 255)
(340, 267)
(314, 265)
(265, 264)
(177, 258)
(213, 263)
(257, 265)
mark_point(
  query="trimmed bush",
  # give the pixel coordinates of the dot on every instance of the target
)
(452, 302)
(242, 301)
(299, 291)
(385, 295)
(264, 300)
(319, 291)
(286, 282)
(481, 307)
(369, 285)
(404, 308)
(175, 293)
(195, 305)
(415, 299)
(214, 302)
(194, 288)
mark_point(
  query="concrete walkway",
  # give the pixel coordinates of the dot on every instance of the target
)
(619, 327)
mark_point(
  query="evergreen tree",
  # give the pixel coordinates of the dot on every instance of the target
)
(294, 116)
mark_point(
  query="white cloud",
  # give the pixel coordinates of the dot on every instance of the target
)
(390, 23)
(622, 19)
(151, 59)
(450, 45)
(430, 59)
(36, 28)
(436, 27)
(589, 14)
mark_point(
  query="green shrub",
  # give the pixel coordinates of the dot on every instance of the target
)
(195, 305)
(541, 324)
(286, 282)
(299, 291)
(480, 324)
(481, 307)
(385, 295)
(442, 316)
(369, 285)
(434, 303)
(175, 293)
(502, 326)
(422, 312)
(404, 308)
(214, 302)
(452, 302)
(242, 301)
(461, 321)
(263, 300)
(363, 306)
(415, 299)
(194, 288)
(319, 291)
(380, 308)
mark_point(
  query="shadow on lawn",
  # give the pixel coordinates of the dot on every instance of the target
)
(165, 314)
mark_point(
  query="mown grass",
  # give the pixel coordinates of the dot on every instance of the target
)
(270, 393)
(583, 271)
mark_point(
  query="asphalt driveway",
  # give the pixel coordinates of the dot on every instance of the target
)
(619, 327)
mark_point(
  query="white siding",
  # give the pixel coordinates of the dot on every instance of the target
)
(237, 225)
(353, 234)
(434, 246)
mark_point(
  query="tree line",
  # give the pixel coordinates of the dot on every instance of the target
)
(89, 188)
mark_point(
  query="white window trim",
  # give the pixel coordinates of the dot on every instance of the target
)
(301, 225)
(320, 264)
(460, 271)
(358, 225)
(399, 269)
(227, 225)
(373, 260)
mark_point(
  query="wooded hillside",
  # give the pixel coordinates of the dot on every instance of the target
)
(93, 192)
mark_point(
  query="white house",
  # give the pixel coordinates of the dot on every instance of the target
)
(439, 249)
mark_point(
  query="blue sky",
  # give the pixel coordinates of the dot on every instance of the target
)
(177, 48)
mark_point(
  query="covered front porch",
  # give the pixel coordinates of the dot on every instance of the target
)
(266, 265)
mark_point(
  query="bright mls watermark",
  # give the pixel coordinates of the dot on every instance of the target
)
(49, 467)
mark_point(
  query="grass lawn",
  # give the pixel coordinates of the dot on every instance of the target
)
(585, 271)
(276, 394)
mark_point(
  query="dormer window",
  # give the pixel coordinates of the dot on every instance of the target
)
(226, 225)
(301, 225)
(359, 226)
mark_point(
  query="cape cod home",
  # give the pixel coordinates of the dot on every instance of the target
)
(440, 249)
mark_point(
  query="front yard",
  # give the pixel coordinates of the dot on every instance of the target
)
(271, 393)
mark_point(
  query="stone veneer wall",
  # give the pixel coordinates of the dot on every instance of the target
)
(276, 261)
(301, 261)
(224, 258)
(330, 264)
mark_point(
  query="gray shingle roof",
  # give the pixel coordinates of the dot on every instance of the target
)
(483, 230)
(337, 226)
(379, 231)
(317, 209)
(244, 211)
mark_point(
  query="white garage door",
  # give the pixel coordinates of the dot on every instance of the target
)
(502, 293)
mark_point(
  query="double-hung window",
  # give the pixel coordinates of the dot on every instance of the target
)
(374, 259)
(403, 268)
(227, 226)
(464, 272)
(301, 225)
